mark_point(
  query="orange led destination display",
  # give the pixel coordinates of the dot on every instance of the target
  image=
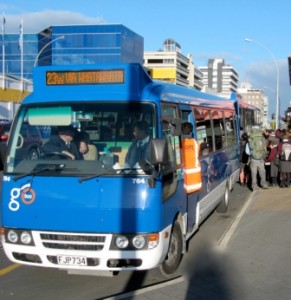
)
(84, 77)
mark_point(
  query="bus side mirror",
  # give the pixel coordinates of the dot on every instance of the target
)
(159, 151)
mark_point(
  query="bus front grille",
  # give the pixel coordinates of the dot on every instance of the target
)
(73, 241)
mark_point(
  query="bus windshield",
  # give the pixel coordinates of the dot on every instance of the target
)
(98, 136)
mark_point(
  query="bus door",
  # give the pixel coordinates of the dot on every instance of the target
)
(174, 196)
(187, 117)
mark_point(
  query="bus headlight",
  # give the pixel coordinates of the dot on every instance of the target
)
(12, 236)
(18, 236)
(121, 241)
(133, 242)
(25, 237)
(138, 242)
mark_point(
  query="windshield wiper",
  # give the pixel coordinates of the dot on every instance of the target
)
(40, 168)
(108, 170)
(104, 171)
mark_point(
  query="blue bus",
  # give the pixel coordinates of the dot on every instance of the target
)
(93, 215)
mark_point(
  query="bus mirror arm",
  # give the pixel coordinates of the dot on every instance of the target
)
(151, 170)
(175, 126)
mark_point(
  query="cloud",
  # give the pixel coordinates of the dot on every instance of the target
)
(34, 22)
(263, 75)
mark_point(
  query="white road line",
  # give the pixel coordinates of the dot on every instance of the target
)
(147, 289)
(228, 234)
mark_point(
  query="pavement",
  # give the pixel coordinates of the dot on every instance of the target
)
(252, 261)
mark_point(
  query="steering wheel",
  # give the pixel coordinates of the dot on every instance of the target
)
(56, 155)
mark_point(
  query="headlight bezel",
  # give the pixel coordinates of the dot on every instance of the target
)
(24, 237)
(135, 241)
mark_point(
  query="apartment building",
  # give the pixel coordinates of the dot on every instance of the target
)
(170, 65)
(219, 77)
(257, 98)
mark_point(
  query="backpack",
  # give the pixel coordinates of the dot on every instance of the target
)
(286, 151)
(257, 144)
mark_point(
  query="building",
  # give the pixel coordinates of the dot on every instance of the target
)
(256, 98)
(219, 77)
(70, 44)
(61, 45)
(12, 95)
(171, 65)
(17, 58)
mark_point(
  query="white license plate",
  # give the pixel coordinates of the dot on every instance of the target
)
(72, 260)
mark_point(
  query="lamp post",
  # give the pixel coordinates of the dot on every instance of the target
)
(43, 48)
(277, 83)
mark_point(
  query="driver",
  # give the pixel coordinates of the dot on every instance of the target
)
(63, 143)
(140, 147)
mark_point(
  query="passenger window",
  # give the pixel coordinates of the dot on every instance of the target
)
(218, 129)
(203, 130)
(230, 128)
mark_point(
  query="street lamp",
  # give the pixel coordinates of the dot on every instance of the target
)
(277, 88)
(46, 45)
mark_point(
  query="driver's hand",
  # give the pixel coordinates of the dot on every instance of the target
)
(69, 154)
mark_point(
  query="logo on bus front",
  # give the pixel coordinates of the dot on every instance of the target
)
(26, 194)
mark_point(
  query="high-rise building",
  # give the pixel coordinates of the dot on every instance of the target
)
(219, 77)
(257, 98)
(171, 65)
(70, 44)
(61, 45)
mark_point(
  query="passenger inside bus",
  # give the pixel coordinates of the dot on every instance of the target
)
(140, 147)
(88, 150)
(187, 130)
(204, 147)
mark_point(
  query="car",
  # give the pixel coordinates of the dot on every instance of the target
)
(29, 142)
(5, 126)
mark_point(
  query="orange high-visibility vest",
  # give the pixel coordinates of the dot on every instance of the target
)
(192, 168)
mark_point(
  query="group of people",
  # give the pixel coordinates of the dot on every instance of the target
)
(265, 158)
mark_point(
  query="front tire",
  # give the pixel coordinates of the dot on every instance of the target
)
(174, 256)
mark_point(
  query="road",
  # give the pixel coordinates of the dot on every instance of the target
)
(26, 282)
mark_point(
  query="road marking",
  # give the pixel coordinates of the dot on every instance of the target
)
(9, 269)
(228, 234)
(147, 289)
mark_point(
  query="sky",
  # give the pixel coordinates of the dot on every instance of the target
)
(205, 29)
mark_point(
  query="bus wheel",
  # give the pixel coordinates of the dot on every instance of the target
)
(174, 256)
(223, 205)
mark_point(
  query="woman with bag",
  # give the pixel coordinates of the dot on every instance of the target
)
(285, 160)
(244, 171)
(273, 160)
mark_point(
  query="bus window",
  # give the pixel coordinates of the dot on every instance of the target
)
(230, 128)
(218, 128)
(108, 130)
(203, 130)
(169, 112)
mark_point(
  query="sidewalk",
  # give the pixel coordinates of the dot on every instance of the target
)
(252, 261)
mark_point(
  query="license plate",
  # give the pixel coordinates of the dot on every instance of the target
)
(72, 260)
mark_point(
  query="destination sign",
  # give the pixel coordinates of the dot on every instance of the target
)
(84, 77)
